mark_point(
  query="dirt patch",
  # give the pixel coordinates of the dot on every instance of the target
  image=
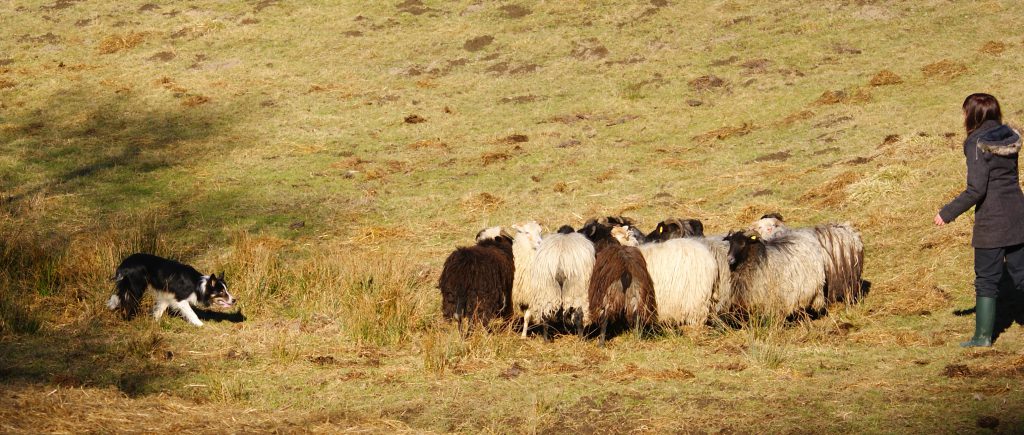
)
(857, 161)
(512, 372)
(843, 48)
(163, 56)
(832, 192)
(632, 372)
(756, 65)
(195, 100)
(478, 43)
(6, 84)
(352, 33)
(322, 360)
(515, 11)
(944, 70)
(115, 43)
(415, 119)
(148, 7)
(248, 21)
(525, 68)
(263, 4)
(793, 118)
(987, 422)
(723, 62)
(705, 83)
(514, 139)
(994, 48)
(886, 78)
(694, 103)
(48, 38)
(494, 157)
(779, 156)
(482, 202)
(498, 68)
(569, 143)
(833, 121)
(725, 133)
(831, 97)
(627, 61)
(413, 7)
(521, 99)
(589, 49)
(762, 192)
(60, 4)
(956, 371)
(428, 144)
(825, 151)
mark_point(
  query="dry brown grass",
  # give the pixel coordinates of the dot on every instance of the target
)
(944, 69)
(724, 133)
(833, 192)
(885, 78)
(115, 43)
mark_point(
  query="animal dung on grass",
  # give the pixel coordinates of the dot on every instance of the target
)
(478, 43)
(944, 69)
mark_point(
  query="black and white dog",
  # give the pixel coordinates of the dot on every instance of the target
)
(174, 285)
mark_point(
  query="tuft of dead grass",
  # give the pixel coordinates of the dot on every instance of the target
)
(833, 192)
(944, 69)
(724, 133)
(115, 43)
(994, 48)
(481, 202)
(885, 78)
(855, 96)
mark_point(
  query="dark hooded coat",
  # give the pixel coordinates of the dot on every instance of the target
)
(993, 187)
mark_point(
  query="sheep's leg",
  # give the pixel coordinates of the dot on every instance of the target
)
(547, 335)
(460, 313)
(604, 330)
(577, 320)
(526, 322)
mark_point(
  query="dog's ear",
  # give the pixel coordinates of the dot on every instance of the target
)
(213, 277)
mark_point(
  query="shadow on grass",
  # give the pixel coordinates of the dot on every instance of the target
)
(93, 357)
(80, 141)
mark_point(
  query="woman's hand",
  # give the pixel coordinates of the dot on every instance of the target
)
(938, 221)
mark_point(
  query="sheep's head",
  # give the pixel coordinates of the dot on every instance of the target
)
(768, 227)
(492, 233)
(742, 246)
(529, 231)
(625, 236)
(615, 220)
(595, 231)
(673, 228)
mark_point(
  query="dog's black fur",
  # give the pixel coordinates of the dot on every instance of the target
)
(174, 285)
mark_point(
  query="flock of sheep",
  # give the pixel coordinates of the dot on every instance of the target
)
(610, 273)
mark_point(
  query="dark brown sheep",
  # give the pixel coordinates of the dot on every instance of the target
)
(476, 282)
(621, 289)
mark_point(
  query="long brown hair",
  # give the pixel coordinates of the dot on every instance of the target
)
(979, 108)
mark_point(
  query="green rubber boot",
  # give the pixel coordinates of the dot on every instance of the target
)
(984, 322)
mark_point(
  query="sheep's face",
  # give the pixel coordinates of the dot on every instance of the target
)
(768, 228)
(676, 228)
(625, 236)
(529, 231)
(596, 231)
(489, 234)
(740, 246)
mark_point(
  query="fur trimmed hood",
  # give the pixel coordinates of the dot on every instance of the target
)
(1001, 141)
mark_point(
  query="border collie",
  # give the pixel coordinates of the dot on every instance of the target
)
(174, 285)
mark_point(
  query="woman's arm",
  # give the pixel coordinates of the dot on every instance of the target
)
(977, 187)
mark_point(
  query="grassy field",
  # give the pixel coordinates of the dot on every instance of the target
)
(328, 156)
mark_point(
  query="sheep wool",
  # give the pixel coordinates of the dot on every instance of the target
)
(684, 273)
(563, 264)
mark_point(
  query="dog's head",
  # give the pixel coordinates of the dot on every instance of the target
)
(216, 292)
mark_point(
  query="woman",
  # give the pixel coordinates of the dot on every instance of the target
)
(993, 189)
